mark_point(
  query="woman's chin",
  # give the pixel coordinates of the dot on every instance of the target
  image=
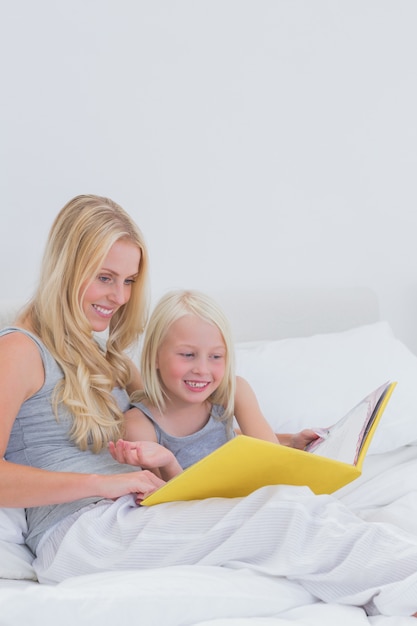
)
(100, 325)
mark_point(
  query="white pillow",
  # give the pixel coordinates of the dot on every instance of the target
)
(15, 557)
(16, 561)
(13, 525)
(313, 381)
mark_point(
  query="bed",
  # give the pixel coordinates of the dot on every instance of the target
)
(310, 355)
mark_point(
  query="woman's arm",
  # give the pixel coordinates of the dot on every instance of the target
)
(22, 375)
(23, 486)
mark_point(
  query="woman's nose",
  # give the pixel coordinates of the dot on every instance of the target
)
(119, 294)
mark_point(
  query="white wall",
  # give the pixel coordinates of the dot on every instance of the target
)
(256, 142)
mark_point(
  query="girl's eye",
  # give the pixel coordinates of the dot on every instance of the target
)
(187, 354)
(217, 356)
(129, 281)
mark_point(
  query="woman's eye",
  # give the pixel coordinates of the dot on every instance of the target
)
(104, 279)
(129, 281)
(187, 354)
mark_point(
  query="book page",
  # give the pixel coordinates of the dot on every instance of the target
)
(343, 441)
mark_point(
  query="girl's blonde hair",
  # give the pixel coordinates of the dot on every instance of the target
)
(170, 308)
(79, 240)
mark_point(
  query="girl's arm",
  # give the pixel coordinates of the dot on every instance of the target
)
(248, 413)
(298, 440)
(252, 422)
(140, 447)
(138, 427)
(146, 454)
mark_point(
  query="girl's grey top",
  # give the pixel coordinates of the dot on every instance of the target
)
(192, 448)
(40, 440)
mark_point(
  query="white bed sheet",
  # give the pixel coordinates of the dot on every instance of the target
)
(194, 595)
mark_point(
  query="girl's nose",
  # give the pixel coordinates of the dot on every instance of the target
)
(200, 365)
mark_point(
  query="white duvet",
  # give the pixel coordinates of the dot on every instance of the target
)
(319, 379)
(185, 595)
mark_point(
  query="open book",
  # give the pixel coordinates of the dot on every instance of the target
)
(244, 464)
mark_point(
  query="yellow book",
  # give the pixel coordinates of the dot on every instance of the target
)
(245, 464)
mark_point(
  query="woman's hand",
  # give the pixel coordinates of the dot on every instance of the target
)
(141, 483)
(147, 454)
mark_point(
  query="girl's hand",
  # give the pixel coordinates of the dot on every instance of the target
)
(147, 454)
(302, 439)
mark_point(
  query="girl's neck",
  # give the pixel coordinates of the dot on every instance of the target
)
(182, 420)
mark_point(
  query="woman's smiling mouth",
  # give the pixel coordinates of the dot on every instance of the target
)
(101, 310)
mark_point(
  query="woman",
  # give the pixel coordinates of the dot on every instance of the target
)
(63, 392)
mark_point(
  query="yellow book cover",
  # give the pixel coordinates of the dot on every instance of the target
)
(245, 464)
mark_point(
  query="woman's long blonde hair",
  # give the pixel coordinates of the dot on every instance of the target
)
(79, 240)
(171, 307)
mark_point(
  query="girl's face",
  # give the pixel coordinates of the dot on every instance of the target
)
(191, 360)
(112, 286)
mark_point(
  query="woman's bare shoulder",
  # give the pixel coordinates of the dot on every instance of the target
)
(20, 359)
(18, 341)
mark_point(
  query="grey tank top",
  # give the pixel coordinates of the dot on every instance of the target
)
(39, 440)
(192, 448)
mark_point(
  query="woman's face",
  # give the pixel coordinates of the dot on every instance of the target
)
(112, 286)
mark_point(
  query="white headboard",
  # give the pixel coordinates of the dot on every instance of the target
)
(298, 312)
(281, 313)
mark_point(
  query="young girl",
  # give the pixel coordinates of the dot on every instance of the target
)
(191, 393)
